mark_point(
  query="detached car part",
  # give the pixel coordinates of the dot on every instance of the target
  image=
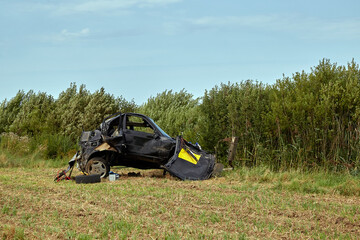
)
(95, 178)
(134, 140)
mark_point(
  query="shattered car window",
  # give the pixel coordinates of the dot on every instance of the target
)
(138, 124)
(159, 129)
(114, 127)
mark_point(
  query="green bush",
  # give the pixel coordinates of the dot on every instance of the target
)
(36, 125)
(15, 144)
(176, 113)
(52, 146)
(306, 121)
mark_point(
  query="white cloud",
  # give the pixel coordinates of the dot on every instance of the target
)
(107, 5)
(310, 28)
(345, 29)
(219, 23)
(65, 35)
(88, 6)
(234, 21)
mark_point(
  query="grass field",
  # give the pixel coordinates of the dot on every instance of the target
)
(241, 204)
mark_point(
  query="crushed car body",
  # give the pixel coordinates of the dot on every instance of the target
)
(134, 140)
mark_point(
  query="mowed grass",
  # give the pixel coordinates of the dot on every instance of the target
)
(241, 204)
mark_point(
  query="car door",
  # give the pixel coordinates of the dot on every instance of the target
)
(140, 138)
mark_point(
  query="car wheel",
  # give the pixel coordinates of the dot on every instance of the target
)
(97, 165)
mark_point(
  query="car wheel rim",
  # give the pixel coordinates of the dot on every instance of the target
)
(98, 167)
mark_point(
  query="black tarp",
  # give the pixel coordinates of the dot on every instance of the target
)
(190, 162)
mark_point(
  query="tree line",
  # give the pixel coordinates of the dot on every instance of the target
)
(309, 120)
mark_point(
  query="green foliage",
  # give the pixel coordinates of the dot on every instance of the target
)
(69, 108)
(309, 120)
(77, 110)
(9, 111)
(33, 115)
(45, 146)
(35, 123)
(306, 121)
(235, 110)
(175, 113)
(54, 146)
(316, 116)
(15, 144)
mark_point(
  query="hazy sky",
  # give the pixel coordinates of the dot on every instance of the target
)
(138, 48)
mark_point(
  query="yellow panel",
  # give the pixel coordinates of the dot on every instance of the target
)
(187, 157)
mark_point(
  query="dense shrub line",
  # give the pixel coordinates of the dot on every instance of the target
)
(305, 121)
(53, 126)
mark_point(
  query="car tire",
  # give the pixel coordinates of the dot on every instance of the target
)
(97, 165)
(88, 178)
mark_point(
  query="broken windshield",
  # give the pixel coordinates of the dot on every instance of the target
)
(160, 130)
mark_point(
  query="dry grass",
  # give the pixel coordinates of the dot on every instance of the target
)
(155, 207)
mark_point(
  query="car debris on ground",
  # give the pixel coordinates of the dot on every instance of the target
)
(134, 140)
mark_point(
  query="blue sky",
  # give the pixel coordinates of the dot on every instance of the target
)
(138, 48)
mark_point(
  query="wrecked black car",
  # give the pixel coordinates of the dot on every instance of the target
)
(134, 140)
